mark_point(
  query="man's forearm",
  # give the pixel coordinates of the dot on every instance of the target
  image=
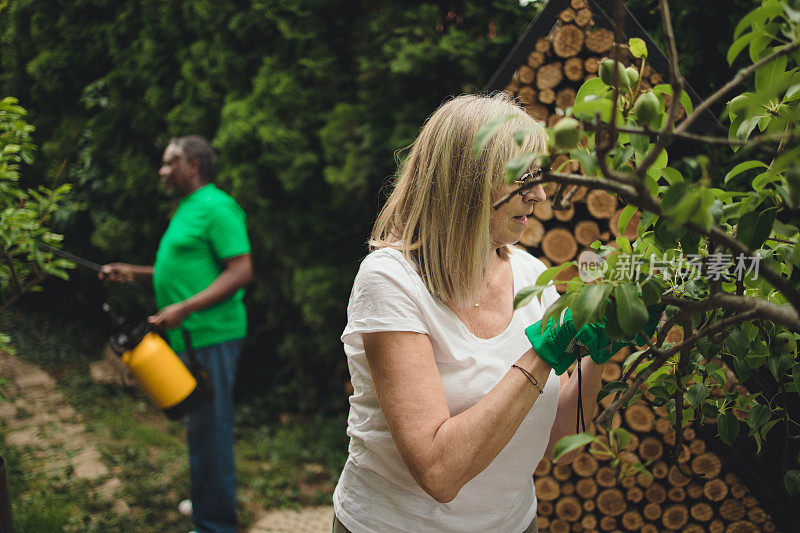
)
(220, 290)
(142, 272)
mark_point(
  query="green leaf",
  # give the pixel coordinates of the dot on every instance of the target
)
(690, 242)
(671, 175)
(779, 363)
(754, 228)
(553, 311)
(796, 377)
(622, 156)
(587, 160)
(518, 166)
(571, 442)
(625, 217)
(696, 394)
(610, 388)
(637, 47)
(652, 290)
(792, 91)
(486, 132)
(687, 207)
(685, 99)
(526, 294)
(759, 415)
(593, 87)
(673, 196)
(728, 428)
(587, 109)
(747, 127)
(709, 409)
(792, 481)
(739, 45)
(622, 437)
(764, 179)
(741, 167)
(737, 343)
(521, 134)
(769, 425)
(666, 235)
(640, 142)
(588, 306)
(661, 161)
(770, 71)
(612, 325)
(741, 368)
(547, 276)
(624, 245)
(631, 311)
(757, 17)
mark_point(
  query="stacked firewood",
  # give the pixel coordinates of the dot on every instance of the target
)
(590, 495)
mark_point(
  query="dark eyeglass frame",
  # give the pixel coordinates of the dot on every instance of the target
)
(529, 175)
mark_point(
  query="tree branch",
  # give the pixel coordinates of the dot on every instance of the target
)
(605, 417)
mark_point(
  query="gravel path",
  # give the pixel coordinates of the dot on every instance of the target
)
(305, 520)
(38, 418)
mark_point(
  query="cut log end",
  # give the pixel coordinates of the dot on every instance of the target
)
(600, 40)
(601, 204)
(549, 76)
(559, 245)
(568, 40)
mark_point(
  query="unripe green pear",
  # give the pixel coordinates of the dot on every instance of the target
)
(786, 343)
(646, 108)
(633, 76)
(566, 134)
(606, 71)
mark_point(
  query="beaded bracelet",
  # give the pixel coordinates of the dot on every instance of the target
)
(531, 378)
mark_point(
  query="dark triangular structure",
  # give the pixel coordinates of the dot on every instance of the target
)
(603, 11)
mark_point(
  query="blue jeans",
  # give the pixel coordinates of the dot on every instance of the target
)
(209, 430)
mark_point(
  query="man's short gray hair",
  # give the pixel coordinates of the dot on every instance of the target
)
(197, 148)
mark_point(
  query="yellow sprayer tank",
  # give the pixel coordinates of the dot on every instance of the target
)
(163, 376)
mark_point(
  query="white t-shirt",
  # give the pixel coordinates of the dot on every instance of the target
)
(376, 491)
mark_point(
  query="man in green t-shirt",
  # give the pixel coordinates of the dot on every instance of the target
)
(202, 264)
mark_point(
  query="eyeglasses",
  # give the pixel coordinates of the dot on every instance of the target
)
(528, 176)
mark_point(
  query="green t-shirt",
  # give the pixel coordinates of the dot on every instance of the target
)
(207, 228)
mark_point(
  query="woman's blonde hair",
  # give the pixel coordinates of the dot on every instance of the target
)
(438, 213)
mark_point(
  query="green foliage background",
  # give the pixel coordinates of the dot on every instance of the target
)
(307, 103)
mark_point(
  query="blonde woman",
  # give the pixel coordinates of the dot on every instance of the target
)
(444, 432)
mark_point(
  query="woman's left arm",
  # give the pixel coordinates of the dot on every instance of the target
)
(567, 412)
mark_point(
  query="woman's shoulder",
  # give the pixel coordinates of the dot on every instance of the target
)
(525, 261)
(385, 257)
(387, 262)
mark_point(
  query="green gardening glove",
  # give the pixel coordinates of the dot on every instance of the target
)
(559, 344)
(552, 343)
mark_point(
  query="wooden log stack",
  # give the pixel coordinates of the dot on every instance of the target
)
(589, 495)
